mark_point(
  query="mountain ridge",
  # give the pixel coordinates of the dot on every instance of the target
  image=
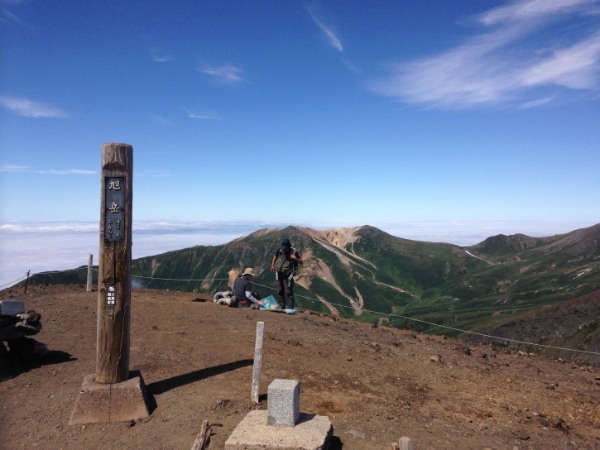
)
(368, 274)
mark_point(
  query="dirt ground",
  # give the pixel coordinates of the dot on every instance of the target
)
(375, 384)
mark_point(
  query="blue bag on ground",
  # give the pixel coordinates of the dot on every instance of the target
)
(270, 304)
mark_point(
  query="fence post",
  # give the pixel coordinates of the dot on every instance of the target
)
(114, 265)
(27, 281)
(89, 273)
(260, 326)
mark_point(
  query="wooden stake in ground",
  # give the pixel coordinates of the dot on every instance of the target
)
(114, 267)
(89, 274)
(203, 437)
(260, 327)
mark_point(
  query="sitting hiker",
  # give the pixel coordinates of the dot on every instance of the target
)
(242, 290)
(223, 297)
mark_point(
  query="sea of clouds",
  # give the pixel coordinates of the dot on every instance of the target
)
(58, 245)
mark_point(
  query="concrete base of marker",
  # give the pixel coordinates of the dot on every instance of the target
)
(118, 402)
(312, 432)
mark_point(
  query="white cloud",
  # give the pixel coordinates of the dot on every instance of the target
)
(160, 119)
(223, 74)
(533, 9)
(13, 168)
(329, 33)
(29, 108)
(23, 169)
(8, 17)
(60, 245)
(575, 67)
(203, 116)
(72, 172)
(508, 63)
(11, 2)
(537, 102)
(161, 57)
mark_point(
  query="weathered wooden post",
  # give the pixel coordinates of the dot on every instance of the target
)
(27, 281)
(89, 273)
(111, 394)
(114, 277)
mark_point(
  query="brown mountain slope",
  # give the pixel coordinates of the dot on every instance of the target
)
(375, 384)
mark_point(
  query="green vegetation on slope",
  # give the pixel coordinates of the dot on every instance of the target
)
(409, 282)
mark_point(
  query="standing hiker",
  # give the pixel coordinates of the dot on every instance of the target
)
(284, 264)
(242, 290)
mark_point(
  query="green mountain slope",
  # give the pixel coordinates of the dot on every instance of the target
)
(365, 273)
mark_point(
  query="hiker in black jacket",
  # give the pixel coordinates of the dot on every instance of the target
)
(284, 264)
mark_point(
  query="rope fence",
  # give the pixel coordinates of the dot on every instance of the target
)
(18, 280)
(314, 299)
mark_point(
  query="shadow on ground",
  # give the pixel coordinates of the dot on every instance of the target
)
(162, 386)
(13, 367)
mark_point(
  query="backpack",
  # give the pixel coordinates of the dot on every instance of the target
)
(283, 262)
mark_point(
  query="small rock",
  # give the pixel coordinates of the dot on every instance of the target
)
(374, 346)
(543, 421)
(435, 358)
(357, 434)
(561, 424)
(522, 434)
(223, 404)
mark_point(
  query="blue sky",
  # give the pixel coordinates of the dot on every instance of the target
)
(312, 113)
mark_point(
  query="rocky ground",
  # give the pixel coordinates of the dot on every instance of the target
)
(375, 384)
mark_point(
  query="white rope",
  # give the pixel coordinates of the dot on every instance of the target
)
(95, 269)
(452, 328)
(516, 341)
(180, 280)
(13, 282)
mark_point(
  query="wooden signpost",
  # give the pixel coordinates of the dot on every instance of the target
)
(113, 394)
(114, 277)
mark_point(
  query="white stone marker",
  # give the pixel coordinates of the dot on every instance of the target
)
(406, 443)
(283, 403)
